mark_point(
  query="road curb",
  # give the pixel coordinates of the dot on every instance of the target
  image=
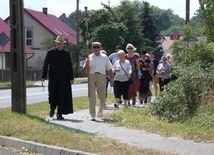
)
(38, 147)
(9, 87)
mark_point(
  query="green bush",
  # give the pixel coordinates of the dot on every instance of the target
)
(183, 96)
(194, 82)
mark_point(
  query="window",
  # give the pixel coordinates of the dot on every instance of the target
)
(29, 36)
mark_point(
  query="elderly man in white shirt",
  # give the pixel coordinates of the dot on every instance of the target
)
(96, 66)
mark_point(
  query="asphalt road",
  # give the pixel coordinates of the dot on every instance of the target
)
(36, 94)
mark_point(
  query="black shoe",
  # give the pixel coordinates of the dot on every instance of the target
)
(59, 117)
(133, 101)
(93, 119)
(51, 113)
(116, 105)
(120, 102)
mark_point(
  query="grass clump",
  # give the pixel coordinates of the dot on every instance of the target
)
(200, 127)
(33, 127)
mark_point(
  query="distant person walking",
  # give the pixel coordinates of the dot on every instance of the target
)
(107, 77)
(114, 57)
(96, 66)
(122, 69)
(59, 66)
(163, 73)
(136, 73)
(145, 68)
(155, 65)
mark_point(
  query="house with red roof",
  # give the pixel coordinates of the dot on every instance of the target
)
(5, 46)
(40, 26)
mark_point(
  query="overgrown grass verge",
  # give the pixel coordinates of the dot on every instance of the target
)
(33, 127)
(200, 127)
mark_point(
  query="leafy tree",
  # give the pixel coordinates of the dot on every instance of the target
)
(110, 35)
(207, 7)
(102, 28)
(172, 29)
(197, 21)
(175, 19)
(128, 14)
(164, 19)
(150, 30)
(194, 69)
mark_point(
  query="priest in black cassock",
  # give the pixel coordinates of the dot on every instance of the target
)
(58, 65)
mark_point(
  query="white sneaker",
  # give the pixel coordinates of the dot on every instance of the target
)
(100, 113)
(93, 119)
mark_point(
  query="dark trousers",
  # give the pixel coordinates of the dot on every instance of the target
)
(122, 88)
(163, 82)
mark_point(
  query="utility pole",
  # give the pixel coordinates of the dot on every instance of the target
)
(187, 10)
(77, 39)
(18, 85)
(87, 42)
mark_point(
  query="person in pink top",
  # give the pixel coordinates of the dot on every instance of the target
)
(136, 73)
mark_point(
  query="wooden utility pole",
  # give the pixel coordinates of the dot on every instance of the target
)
(87, 43)
(77, 39)
(18, 85)
(187, 10)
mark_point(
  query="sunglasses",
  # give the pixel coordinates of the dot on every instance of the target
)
(96, 47)
(129, 48)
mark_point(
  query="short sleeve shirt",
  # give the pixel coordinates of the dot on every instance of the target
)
(100, 63)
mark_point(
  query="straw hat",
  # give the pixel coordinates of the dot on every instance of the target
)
(60, 39)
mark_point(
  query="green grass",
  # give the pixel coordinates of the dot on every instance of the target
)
(80, 80)
(199, 128)
(33, 127)
(28, 83)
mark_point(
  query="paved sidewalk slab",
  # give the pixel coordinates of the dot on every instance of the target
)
(80, 121)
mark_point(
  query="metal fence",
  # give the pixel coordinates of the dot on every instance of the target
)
(31, 75)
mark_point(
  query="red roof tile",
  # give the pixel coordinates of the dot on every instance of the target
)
(53, 24)
(6, 29)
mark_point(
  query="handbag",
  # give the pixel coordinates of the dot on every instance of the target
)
(131, 81)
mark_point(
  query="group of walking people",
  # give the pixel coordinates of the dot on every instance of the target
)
(129, 74)
(142, 69)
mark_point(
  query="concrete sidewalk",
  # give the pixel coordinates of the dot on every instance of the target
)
(81, 122)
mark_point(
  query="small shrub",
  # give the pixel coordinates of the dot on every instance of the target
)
(183, 96)
(193, 79)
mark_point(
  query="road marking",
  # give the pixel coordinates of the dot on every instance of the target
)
(42, 93)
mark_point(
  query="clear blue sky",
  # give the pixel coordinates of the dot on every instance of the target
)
(57, 7)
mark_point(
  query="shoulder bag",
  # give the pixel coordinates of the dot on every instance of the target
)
(131, 81)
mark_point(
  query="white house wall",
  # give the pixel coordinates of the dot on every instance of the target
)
(40, 33)
(1, 60)
(37, 60)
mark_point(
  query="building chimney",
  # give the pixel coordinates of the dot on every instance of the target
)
(45, 10)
